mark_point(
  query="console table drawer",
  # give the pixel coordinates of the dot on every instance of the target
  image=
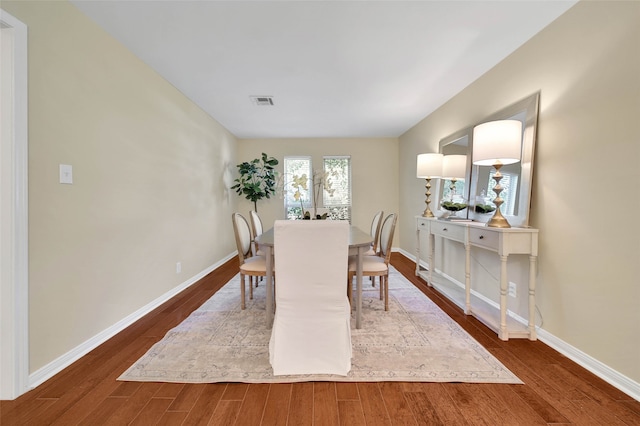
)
(449, 231)
(483, 237)
(423, 224)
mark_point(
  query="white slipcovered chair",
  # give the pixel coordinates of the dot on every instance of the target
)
(311, 329)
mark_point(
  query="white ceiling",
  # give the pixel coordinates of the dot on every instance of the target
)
(334, 68)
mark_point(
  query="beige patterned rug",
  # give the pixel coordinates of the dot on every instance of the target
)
(414, 341)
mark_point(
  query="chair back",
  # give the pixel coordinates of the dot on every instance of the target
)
(376, 224)
(243, 236)
(311, 331)
(386, 236)
(256, 223)
(256, 228)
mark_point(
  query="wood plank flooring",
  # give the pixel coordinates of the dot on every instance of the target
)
(556, 390)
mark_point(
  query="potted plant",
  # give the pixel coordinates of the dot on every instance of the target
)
(257, 179)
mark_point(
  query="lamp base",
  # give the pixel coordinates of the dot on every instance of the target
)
(498, 221)
(428, 213)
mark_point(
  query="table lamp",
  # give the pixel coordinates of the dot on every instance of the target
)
(497, 143)
(429, 167)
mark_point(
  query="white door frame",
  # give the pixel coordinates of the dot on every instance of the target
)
(14, 253)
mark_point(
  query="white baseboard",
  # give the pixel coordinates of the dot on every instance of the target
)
(405, 253)
(606, 373)
(45, 373)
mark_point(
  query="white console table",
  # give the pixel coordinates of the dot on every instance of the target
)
(504, 242)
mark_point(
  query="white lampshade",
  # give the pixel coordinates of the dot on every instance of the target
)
(454, 166)
(429, 166)
(497, 142)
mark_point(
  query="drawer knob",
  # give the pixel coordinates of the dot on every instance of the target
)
(481, 236)
(444, 229)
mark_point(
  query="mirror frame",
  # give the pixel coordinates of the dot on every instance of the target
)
(529, 106)
(452, 138)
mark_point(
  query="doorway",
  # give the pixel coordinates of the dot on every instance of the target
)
(14, 292)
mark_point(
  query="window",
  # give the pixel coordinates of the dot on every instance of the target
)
(296, 195)
(337, 192)
(329, 187)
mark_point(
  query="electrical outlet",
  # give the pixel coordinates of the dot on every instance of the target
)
(512, 289)
(178, 267)
(66, 174)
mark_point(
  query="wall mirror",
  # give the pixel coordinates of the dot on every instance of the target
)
(455, 191)
(475, 189)
(517, 178)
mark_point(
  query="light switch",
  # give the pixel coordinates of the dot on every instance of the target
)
(66, 173)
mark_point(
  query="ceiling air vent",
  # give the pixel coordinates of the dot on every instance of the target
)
(262, 100)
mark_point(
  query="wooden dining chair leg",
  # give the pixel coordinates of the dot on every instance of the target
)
(251, 277)
(381, 286)
(242, 291)
(350, 289)
(385, 278)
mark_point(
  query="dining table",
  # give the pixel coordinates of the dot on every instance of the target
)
(359, 244)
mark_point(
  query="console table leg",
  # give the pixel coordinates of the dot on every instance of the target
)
(467, 279)
(431, 259)
(504, 333)
(417, 251)
(532, 297)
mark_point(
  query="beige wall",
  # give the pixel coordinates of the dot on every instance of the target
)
(150, 175)
(587, 66)
(374, 172)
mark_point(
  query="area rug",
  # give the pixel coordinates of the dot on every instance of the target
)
(414, 341)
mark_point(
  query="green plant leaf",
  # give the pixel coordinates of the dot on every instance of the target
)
(257, 178)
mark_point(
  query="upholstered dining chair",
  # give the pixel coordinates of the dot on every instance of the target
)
(377, 266)
(311, 328)
(376, 224)
(256, 228)
(250, 265)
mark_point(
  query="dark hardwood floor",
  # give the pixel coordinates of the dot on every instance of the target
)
(556, 391)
